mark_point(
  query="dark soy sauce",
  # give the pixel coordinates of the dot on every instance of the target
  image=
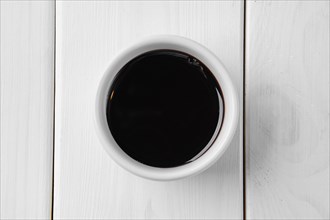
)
(164, 108)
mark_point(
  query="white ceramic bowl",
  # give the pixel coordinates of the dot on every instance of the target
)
(229, 123)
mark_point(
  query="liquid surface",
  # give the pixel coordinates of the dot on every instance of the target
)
(164, 108)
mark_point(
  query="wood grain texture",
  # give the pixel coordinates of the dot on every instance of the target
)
(27, 55)
(287, 109)
(88, 184)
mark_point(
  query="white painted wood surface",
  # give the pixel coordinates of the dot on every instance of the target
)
(287, 112)
(27, 55)
(88, 184)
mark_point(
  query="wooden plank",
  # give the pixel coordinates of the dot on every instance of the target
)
(88, 184)
(287, 111)
(27, 55)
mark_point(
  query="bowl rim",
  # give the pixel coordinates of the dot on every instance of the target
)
(229, 123)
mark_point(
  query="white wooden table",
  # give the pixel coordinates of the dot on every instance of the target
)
(53, 55)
